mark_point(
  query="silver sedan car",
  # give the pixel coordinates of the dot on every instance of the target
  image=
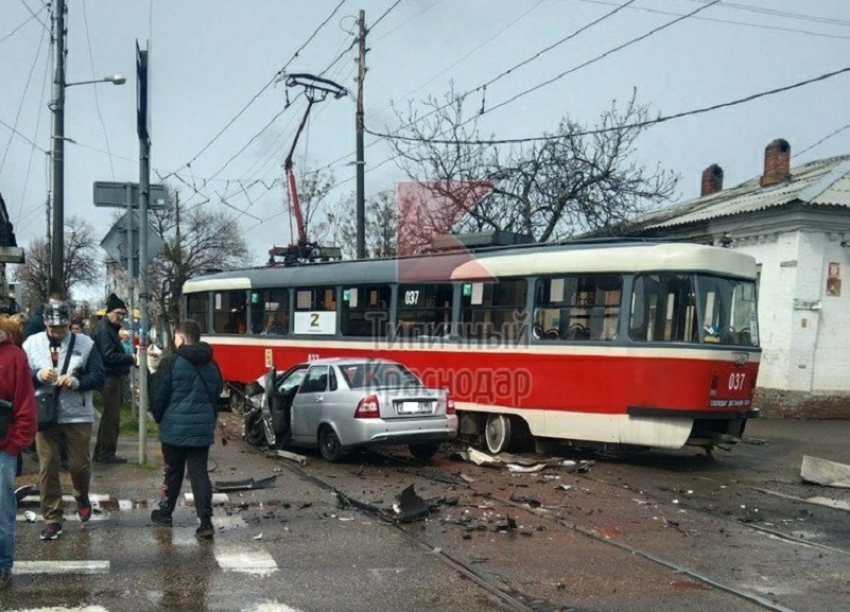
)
(344, 403)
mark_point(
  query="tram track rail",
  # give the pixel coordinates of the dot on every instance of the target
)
(674, 566)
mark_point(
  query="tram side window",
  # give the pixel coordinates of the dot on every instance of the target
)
(317, 298)
(365, 310)
(493, 311)
(270, 312)
(663, 309)
(229, 312)
(197, 308)
(577, 307)
(424, 310)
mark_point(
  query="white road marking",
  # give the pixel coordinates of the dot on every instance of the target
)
(68, 518)
(61, 567)
(218, 499)
(64, 609)
(270, 606)
(245, 560)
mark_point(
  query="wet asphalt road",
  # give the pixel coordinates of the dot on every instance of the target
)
(648, 531)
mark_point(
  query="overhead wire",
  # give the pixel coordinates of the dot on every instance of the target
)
(600, 57)
(44, 80)
(385, 13)
(761, 26)
(822, 140)
(96, 97)
(639, 124)
(483, 86)
(264, 88)
(23, 99)
(777, 13)
(33, 16)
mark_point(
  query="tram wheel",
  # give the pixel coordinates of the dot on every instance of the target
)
(497, 433)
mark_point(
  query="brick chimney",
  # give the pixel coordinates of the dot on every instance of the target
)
(777, 163)
(712, 180)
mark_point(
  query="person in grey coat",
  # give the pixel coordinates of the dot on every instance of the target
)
(46, 353)
(184, 393)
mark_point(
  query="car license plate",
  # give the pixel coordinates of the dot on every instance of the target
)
(414, 407)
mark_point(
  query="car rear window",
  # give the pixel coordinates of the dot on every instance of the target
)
(362, 375)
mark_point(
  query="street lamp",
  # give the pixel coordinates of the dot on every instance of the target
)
(57, 105)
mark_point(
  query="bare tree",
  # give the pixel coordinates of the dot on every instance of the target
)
(338, 226)
(313, 189)
(576, 180)
(195, 242)
(81, 263)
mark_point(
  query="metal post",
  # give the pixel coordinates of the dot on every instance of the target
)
(131, 298)
(57, 106)
(361, 186)
(144, 201)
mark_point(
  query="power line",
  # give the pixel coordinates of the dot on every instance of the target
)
(96, 97)
(483, 86)
(265, 87)
(386, 12)
(822, 140)
(19, 135)
(32, 16)
(777, 13)
(23, 98)
(640, 124)
(601, 56)
(760, 26)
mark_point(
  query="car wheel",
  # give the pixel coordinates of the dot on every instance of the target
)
(329, 445)
(497, 433)
(425, 450)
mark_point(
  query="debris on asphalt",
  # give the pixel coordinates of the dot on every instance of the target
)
(564, 487)
(531, 500)
(409, 506)
(282, 454)
(466, 478)
(518, 463)
(30, 516)
(259, 536)
(825, 472)
(243, 485)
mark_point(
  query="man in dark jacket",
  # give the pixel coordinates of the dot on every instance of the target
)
(184, 392)
(116, 366)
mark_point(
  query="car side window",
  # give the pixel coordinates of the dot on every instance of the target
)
(295, 378)
(316, 380)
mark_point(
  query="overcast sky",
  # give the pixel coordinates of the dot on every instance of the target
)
(210, 58)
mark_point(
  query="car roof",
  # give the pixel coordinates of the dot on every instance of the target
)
(344, 361)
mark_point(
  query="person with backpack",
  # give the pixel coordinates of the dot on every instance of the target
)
(184, 393)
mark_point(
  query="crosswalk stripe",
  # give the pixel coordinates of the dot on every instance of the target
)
(244, 560)
(218, 499)
(64, 609)
(61, 567)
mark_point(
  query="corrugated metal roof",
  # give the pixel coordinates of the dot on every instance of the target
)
(825, 182)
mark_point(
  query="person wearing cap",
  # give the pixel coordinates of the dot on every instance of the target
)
(47, 353)
(116, 366)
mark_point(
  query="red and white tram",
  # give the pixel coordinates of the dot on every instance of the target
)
(621, 343)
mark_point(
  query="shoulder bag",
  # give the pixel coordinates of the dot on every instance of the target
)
(47, 400)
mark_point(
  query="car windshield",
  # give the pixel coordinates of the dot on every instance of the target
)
(727, 307)
(361, 375)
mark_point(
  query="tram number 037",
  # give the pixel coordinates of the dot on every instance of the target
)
(736, 381)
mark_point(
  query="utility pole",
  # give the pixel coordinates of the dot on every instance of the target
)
(49, 259)
(57, 106)
(144, 200)
(360, 163)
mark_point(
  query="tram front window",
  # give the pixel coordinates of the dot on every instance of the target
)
(727, 310)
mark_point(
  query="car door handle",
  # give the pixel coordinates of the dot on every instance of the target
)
(319, 399)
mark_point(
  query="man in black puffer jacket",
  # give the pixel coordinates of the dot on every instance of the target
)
(184, 392)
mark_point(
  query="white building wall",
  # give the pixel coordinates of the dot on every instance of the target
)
(777, 279)
(832, 355)
(803, 331)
